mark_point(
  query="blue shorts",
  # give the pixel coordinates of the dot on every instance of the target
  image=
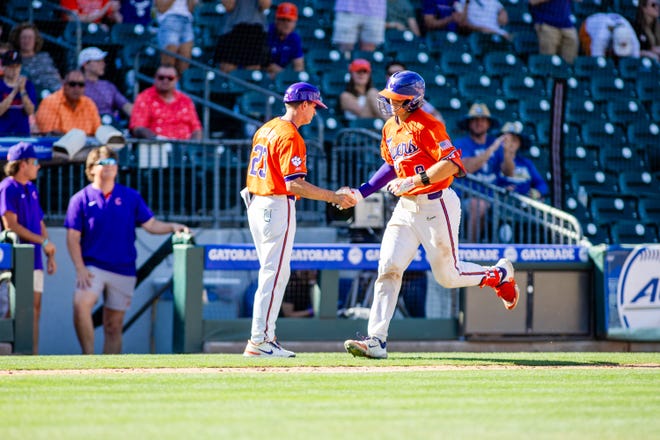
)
(175, 30)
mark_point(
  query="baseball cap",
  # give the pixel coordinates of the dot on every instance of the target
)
(359, 64)
(477, 110)
(622, 41)
(90, 54)
(11, 57)
(516, 127)
(302, 91)
(287, 10)
(20, 151)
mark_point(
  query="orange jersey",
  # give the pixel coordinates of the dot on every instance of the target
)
(278, 155)
(414, 145)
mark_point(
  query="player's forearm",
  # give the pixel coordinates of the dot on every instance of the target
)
(302, 188)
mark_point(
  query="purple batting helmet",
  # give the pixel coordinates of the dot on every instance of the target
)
(406, 86)
(302, 91)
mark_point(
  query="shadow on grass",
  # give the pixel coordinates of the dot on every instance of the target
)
(478, 361)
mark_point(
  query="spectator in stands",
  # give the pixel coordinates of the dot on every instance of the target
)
(285, 44)
(482, 158)
(136, 11)
(396, 66)
(108, 100)
(68, 108)
(518, 173)
(360, 21)
(4, 47)
(93, 11)
(38, 66)
(18, 97)
(608, 34)
(401, 16)
(175, 31)
(242, 42)
(360, 99)
(163, 112)
(485, 16)
(441, 15)
(555, 30)
(21, 213)
(101, 221)
(647, 27)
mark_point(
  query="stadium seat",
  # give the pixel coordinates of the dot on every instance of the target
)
(633, 232)
(605, 88)
(129, 33)
(649, 210)
(585, 8)
(526, 43)
(545, 66)
(580, 110)
(254, 77)
(459, 63)
(521, 86)
(648, 87)
(596, 182)
(640, 183)
(91, 34)
(625, 111)
(598, 233)
(602, 134)
(255, 105)
(502, 64)
(447, 42)
(534, 109)
(477, 85)
(612, 209)
(631, 68)
(319, 61)
(193, 81)
(375, 124)
(627, 8)
(209, 15)
(577, 209)
(334, 82)
(655, 111)
(577, 157)
(288, 76)
(622, 158)
(644, 133)
(481, 43)
(593, 67)
(578, 87)
(500, 108)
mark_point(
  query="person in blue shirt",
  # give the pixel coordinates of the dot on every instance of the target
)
(518, 173)
(441, 15)
(482, 156)
(284, 43)
(101, 221)
(18, 97)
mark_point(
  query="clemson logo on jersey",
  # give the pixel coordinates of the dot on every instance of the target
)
(296, 161)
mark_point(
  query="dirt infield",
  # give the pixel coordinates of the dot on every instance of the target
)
(304, 370)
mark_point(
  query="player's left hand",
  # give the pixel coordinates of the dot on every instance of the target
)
(400, 186)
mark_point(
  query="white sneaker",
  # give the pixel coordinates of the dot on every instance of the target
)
(370, 347)
(267, 349)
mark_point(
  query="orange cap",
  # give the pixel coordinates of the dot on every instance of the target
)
(287, 10)
(359, 64)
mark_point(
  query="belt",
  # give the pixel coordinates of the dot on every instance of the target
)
(420, 198)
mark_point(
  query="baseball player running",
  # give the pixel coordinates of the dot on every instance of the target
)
(275, 179)
(420, 165)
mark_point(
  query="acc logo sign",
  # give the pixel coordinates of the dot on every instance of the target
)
(638, 291)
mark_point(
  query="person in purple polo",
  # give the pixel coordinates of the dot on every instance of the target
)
(21, 213)
(101, 221)
(284, 42)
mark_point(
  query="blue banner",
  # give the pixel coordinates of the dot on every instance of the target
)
(365, 256)
(43, 146)
(5, 256)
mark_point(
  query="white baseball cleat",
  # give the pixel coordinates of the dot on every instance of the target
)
(501, 279)
(370, 347)
(266, 349)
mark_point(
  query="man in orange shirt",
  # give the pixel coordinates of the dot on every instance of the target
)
(68, 108)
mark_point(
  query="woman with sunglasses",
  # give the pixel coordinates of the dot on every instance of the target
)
(101, 221)
(647, 27)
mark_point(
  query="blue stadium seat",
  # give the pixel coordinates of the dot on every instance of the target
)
(579, 87)
(459, 63)
(619, 159)
(534, 109)
(478, 85)
(596, 182)
(603, 134)
(612, 209)
(255, 105)
(501, 108)
(502, 64)
(648, 87)
(526, 43)
(606, 88)
(545, 66)
(288, 76)
(644, 133)
(481, 43)
(521, 86)
(334, 82)
(579, 157)
(625, 111)
(640, 183)
(598, 233)
(649, 210)
(580, 110)
(633, 232)
(631, 68)
(593, 67)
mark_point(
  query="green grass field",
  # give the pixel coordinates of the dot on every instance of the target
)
(332, 395)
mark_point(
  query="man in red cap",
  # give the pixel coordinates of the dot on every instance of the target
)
(275, 179)
(284, 43)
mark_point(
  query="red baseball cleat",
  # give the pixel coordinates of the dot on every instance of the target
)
(500, 278)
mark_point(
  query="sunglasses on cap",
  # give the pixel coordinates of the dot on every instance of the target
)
(106, 161)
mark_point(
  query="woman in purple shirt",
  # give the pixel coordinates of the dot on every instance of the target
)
(101, 221)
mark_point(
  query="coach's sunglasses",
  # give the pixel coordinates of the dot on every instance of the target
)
(106, 161)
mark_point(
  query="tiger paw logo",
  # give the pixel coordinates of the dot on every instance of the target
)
(638, 289)
(296, 161)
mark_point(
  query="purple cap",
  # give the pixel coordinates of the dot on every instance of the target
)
(302, 91)
(20, 151)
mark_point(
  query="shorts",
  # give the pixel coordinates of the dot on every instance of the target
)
(347, 26)
(116, 289)
(175, 30)
(38, 281)
(244, 45)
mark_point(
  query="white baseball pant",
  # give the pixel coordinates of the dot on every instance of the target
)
(434, 224)
(272, 221)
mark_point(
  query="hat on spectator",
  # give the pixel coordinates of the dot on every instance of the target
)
(11, 57)
(90, 54)
(20, 151)
(477, 110)
(302, 91)
(287, 10)
(359, 64)
(622, 41)
(516, 127)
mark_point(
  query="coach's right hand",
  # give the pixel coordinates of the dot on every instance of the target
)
(83, 278)
(343, 199)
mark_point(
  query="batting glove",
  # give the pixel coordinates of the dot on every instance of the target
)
(399, 187)
(357, 195)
